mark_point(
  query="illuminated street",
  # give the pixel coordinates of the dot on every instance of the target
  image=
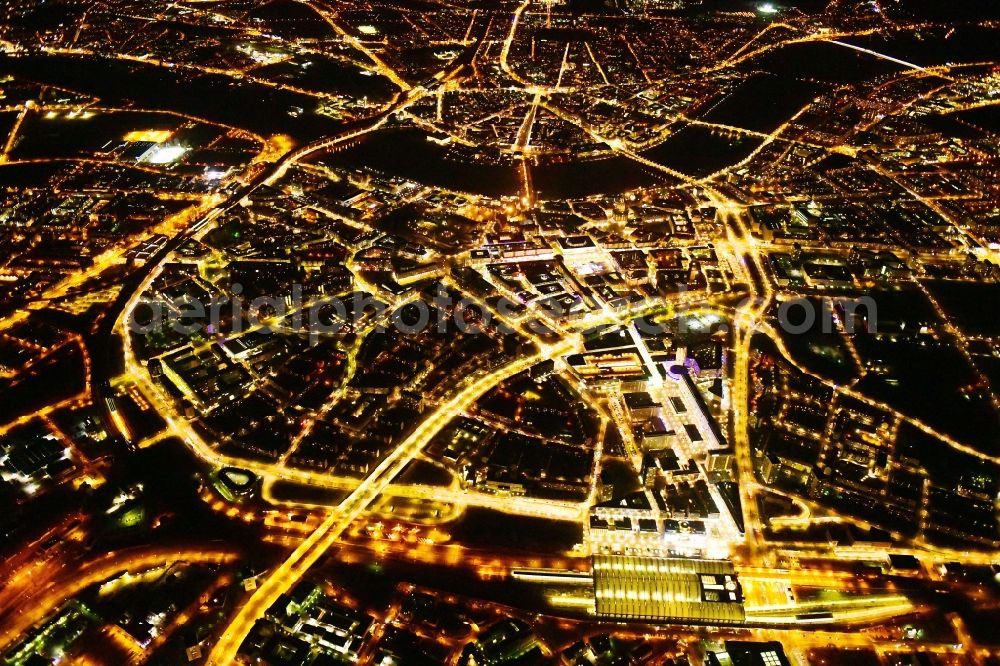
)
(576, 332)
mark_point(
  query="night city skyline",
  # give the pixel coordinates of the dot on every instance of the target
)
(500, 332)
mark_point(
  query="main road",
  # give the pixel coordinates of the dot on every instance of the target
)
(327, 534)
(744, 325)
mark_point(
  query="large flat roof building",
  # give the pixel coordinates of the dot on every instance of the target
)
(667, 589)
